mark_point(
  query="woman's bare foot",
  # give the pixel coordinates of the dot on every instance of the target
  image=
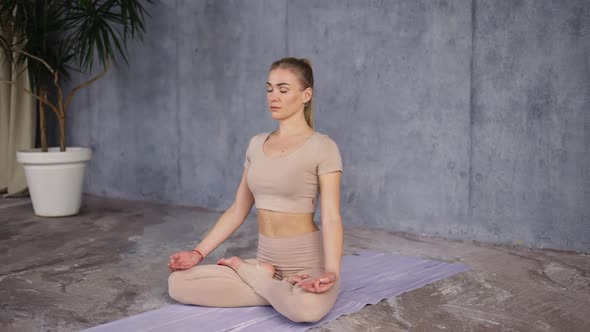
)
(268, 267)
(235, 262)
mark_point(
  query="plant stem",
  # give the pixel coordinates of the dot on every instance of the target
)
(84, 85)
(42, 121)
(62, 133)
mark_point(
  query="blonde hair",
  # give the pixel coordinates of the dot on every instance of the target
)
(302, 69)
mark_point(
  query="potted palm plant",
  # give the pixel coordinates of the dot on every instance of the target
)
(52, 38)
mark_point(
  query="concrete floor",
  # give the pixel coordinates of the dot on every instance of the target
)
(109, 262)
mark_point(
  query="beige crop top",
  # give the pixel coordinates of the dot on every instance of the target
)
(290, 183)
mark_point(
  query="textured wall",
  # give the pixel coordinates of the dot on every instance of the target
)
(530, 98)
(466, 119)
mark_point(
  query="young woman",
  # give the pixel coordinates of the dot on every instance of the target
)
(297, 266)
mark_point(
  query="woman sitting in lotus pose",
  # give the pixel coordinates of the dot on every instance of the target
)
(297, 266)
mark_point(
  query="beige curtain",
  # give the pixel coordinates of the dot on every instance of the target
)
(17, 127)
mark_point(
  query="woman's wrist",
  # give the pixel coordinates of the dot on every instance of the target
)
(199, 253)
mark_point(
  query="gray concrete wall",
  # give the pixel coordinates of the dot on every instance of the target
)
(466, 119)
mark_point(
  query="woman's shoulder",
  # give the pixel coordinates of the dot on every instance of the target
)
(258, 136)
(325, 140)
(327, 156)
(324, 145)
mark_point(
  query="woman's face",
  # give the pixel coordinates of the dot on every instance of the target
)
(284, 94)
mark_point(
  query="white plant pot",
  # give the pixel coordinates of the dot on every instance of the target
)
(55, 179)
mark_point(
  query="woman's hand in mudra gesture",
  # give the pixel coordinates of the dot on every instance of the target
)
(315, 285)
(183, 260)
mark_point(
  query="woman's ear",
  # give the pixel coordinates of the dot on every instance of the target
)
(308, 94)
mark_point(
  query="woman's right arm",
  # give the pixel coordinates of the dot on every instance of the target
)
(231, 219)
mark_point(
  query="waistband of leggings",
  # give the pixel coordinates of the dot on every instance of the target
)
(307, 237)
(292, 253)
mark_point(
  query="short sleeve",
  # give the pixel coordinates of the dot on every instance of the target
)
(330, 159)
(248, 153)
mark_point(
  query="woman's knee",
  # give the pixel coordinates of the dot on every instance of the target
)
(312, 307)
(308, 315)
(309, 308)
(176, 282)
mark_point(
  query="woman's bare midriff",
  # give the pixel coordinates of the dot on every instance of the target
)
(274, 223)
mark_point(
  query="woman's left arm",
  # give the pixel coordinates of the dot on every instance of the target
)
(332, 234)
(332, 231)
(329, 171)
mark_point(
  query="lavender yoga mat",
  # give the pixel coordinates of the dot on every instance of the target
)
(367, 278)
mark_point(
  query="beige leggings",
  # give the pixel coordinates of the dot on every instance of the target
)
(221, 286)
